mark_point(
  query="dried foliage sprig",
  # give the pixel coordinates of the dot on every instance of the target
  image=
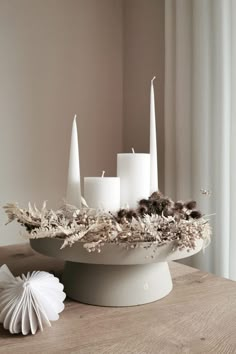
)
(157, 220)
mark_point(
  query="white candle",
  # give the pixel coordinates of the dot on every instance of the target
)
(134, 172)
(153, 143)
(73, 195)
(102, 192)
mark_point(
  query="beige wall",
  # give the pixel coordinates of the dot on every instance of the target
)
(143, 58)
(57, 57)
(60, 57)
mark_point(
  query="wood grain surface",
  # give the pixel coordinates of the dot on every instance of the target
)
(199, 316)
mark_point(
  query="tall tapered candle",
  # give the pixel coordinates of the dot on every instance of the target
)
(73, 195)
(153, 143)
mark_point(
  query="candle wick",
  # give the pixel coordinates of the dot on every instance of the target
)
(153, 78)
(133, 151)
(103, 173)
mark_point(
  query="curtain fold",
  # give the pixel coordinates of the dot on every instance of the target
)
(200, 140)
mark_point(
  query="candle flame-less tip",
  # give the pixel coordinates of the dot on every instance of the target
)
(103, 173)
(153, 78)
(133, 151)
(75, 117)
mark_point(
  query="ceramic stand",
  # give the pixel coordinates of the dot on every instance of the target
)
(117, 285)
(116, 276)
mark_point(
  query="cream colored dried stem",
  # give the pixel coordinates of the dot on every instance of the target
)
(95, 228)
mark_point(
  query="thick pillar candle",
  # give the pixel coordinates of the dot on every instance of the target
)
(134, 172)
(73, 195)
(102, 193)
(153, 143)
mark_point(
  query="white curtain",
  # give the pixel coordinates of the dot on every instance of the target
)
(200, 118)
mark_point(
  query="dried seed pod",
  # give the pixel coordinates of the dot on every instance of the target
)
(196, 214)
(178, 205)
(168, 212)
(191, 204)
(144, 202)
(165, 202)
(131, 214)
(155, 196)
(121, 213)
(142, 210)
(155, 207)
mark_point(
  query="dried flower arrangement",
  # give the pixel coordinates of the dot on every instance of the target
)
(157, 220)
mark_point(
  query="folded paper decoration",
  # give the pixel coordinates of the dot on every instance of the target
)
(28, 303)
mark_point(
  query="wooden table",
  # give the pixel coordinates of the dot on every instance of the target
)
(199, 316)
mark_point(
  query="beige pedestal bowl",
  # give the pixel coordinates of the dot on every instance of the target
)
(116, 276)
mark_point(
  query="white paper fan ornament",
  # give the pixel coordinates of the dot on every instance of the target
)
(30, 302)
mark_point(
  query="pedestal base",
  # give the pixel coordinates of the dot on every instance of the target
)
(118, 275)
(117, 285)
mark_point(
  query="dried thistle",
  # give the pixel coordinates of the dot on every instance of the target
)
(178, 206)
(190, 205)
(156, 195)
(196, 214)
